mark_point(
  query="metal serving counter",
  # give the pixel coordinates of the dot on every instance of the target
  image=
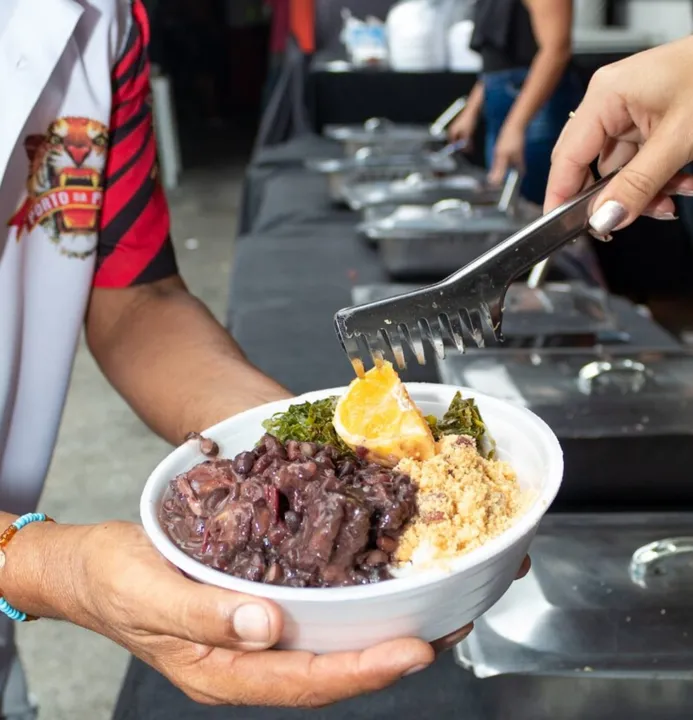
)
(601, 629)
(278, 192)
(297, 262)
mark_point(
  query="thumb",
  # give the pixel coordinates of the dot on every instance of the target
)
(627, 196)
(208, 615)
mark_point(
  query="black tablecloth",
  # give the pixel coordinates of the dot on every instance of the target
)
(284, 292)
(292, 199)
(287, 282)
(285, 287)
(276, 160)
(443, 692)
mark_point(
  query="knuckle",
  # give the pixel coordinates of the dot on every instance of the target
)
(602, 78)
(638, 183)
(310, 699)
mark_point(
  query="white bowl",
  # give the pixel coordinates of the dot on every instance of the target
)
(428, 605)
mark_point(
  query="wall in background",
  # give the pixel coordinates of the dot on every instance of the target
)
(669, 19)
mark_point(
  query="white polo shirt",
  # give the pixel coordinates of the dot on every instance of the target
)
(80, 204)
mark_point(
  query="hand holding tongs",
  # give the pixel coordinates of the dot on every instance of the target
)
(467, 306)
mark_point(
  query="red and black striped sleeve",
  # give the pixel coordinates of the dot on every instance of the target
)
(135, 241)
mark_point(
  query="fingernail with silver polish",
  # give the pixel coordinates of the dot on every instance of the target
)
(601, 238)
(609, 216)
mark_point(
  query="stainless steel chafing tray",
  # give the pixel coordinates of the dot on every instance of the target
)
(559, 309)
(417, 241)
(394, 137)
(601, 628)
(381, 132)
(373, 164)
(623, 414)
(376, 200)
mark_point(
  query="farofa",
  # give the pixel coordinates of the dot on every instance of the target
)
(463, 500)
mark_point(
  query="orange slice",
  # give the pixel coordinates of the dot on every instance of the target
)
(377, 414)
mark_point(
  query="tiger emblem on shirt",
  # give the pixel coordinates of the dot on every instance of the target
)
(65, 184)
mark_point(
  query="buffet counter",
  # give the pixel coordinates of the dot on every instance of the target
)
(339, 93)
(297, 261)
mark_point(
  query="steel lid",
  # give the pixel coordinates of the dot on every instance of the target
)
(371, 158)
(603, 391)
(420, 189)
(382, 131)
(608, 595)
(448, 216)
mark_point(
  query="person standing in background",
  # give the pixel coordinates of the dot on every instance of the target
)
(527, 87)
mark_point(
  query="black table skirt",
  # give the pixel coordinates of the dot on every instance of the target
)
(443, 692)
(287, 282)
(354, 96)
(285, 287)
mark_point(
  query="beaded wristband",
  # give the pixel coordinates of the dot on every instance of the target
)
(5, 538)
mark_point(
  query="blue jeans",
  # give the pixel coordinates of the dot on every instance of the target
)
(501, 89)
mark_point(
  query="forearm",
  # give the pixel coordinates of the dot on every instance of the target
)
(41, 575)
(544, 75)
(176, 365)
(475, 101)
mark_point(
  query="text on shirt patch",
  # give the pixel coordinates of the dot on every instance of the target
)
(65, 184)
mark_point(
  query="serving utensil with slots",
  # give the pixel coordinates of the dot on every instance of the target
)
(466, 307)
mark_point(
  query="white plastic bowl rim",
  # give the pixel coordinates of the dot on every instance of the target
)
(523, 525)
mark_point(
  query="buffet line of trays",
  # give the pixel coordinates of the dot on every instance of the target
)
(616, 387)
(609, 591)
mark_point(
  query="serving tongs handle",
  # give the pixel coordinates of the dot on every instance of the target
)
(508, 260)
(439, 125)
(450, 149)
(510, 195)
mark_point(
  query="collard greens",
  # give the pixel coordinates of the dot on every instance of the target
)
(308, 422)
(463, 418)
(312, 422)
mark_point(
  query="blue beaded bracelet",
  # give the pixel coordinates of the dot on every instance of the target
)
(5, 538)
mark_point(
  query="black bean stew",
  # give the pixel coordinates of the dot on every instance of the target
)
(294, 514)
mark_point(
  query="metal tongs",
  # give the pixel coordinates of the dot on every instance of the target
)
(468, 305)
(439, 125)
